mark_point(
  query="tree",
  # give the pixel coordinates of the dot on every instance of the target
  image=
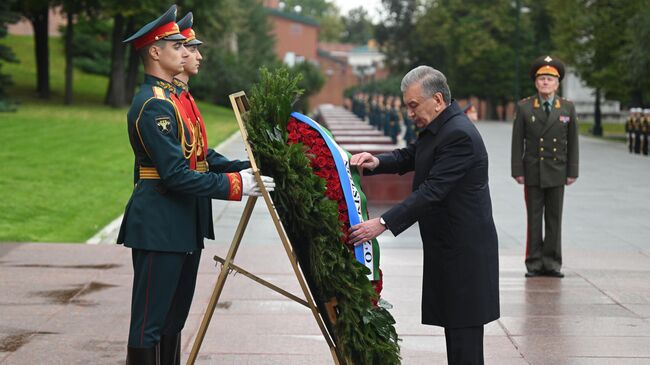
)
(591, 36)
(325, 12)
(6, 54)
(37, 12)
(237, 42)
(636, 57)
(358, 26)
(395, 33)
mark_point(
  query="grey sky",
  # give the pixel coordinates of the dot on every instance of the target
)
(370, 5)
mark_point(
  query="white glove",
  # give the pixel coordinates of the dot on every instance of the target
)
(249, 185)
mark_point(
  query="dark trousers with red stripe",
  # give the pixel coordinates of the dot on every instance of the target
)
(163, 287)
(544, 253)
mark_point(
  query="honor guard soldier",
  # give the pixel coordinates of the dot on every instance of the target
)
(645, 130)
(636, 130)
(374, 111)
(362, 106)
(394, 128)
(629, 129)
(165, 222)
(544, 160)
(409, 134)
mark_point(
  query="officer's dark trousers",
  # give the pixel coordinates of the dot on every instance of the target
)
(464, 345)
(163, 287)
(544, 253)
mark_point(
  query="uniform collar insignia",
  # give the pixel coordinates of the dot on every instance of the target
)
(149, 79)
(181, 84)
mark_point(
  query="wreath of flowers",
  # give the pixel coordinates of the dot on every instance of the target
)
(308, 199)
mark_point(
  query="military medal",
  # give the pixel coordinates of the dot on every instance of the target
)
(532, 119)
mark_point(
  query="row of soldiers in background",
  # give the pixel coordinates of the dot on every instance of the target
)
(385, 113)
(637, 128)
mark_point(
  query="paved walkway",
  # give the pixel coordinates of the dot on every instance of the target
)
(69, 303)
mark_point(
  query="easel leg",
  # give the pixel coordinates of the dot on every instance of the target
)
(221, 280)
(336, 355)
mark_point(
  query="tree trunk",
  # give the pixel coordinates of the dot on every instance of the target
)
(68, 58)
(115, 93)
(132, 67)
(598, 127)
(39, 20)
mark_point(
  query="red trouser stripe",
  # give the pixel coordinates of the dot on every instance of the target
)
(527, 228)
(146, 301)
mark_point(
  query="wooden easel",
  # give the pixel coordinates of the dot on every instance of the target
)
(240, 106)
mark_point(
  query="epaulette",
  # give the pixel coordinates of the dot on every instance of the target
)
(158, 92)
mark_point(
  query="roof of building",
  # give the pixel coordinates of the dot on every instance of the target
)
(293, 16)
(325, 54)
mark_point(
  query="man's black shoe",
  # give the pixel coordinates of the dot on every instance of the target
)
(554, 274)
(533, 274)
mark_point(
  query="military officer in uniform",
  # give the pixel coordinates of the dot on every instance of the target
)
(164, 221)
(544, 160)
(629, 129)
(645, 130)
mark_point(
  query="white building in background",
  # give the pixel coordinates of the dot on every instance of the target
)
(584, 98)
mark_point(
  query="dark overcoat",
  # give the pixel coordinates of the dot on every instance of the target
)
(451, 202)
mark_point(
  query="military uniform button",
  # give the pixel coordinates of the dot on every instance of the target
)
(541, 139)
(541, 158)
(554, 149)
(541, 148)
(554, 139)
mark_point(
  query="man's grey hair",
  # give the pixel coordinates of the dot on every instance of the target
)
(432, 81)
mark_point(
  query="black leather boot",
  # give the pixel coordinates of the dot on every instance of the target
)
(170, 349)
(142, 356)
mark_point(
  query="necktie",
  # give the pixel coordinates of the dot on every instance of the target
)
(547, 108)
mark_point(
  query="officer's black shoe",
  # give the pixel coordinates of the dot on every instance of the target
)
(170, 349)
(142, 356)
(533, 274)
(554, 274)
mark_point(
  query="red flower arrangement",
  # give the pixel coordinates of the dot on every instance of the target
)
(322, 162)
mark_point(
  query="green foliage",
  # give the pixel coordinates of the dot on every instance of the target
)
(6, 55)
(237, 42)
(311, 81)
(358, 26)
(388, 86)
(475, 43)
(601, 40)
(364, 334)
(91, 47)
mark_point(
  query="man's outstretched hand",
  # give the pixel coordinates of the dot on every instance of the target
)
(365, 231)
(364, 160)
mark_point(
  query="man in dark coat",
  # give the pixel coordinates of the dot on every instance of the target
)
(451, 202)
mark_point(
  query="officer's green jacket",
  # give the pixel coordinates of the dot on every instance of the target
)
(163, 213)
(545, 151)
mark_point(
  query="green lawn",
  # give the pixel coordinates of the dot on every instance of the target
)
(611, 131)
(66, 171)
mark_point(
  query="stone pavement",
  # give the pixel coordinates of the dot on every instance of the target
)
(69, 303)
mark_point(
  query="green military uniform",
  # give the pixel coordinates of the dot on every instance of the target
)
(164, 221)
(545, 152)
(394, 128)
(629, 130)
